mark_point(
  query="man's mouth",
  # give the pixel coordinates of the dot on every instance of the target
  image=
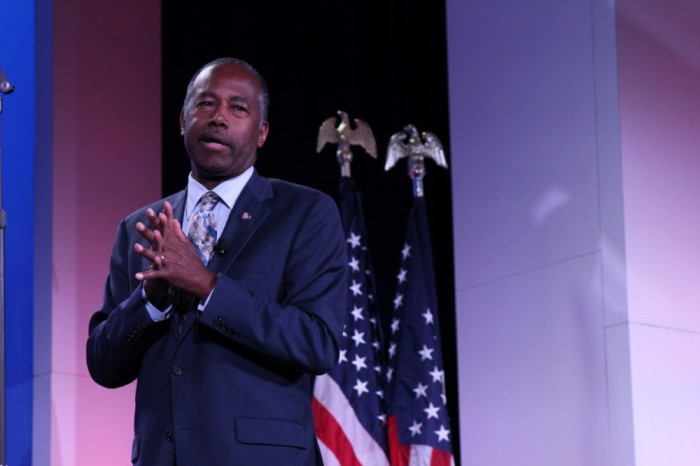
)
(214, 140)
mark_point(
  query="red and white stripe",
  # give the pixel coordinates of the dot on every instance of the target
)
(415, 454)
(342, 438)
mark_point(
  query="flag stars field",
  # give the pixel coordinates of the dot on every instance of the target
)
(443, 434)
(356, 288)
(357, 313)
(398, 300)
(437, 374)
(347, 423)
(359, 363)
(406, 251)
(401, 277)
(354, 240)
(432, 411)
(426, 353)
(415, 428)
(359, 338)
(392, 350)
(416, 388)
(395, 325)
(420, 390)
(361, 387)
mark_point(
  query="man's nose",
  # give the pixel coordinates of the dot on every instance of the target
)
(217, 117)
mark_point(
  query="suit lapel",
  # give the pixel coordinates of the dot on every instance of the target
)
(177, 200)
(247, 215)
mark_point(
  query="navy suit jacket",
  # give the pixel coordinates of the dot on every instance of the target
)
(232, 384)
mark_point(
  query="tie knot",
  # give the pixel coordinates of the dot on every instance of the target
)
(209, 200)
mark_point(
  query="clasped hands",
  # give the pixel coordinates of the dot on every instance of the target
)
(174, 260)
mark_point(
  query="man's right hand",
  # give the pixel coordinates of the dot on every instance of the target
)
(174, 258)
(156, 289)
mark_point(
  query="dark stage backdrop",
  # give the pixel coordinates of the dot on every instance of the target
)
(381, 61)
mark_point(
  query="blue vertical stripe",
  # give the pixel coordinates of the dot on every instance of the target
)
(17, 120)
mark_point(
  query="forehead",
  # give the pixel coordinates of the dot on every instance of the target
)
(227, 78)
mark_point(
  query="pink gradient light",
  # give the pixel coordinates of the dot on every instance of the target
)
(106, 163)
(659, 76)
(659, 68)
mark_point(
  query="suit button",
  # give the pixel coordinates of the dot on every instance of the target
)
(168, 435)
(177, 370)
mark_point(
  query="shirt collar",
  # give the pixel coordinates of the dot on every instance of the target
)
(228, 190)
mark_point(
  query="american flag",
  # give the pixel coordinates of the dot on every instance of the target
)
(348, 403)
(419, 427)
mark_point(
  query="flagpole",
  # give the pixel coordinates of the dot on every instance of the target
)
(5, 88)
(348, 405)
(419, 425)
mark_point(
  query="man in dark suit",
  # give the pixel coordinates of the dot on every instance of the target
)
(223, 306)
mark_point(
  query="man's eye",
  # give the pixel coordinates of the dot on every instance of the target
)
(239, 108)
(204, 103)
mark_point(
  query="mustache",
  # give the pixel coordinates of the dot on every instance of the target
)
(215, 135)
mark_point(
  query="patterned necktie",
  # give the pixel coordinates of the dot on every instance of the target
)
(202, 231)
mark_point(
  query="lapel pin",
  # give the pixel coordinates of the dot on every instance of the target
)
(246, 216)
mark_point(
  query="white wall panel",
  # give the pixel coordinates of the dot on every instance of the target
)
(533, 387)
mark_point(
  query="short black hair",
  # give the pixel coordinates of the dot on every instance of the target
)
(263, 96)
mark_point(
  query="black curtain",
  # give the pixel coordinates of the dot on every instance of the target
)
(381, 61)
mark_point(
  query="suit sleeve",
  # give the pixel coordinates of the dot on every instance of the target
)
(121, 330)
(302, 326)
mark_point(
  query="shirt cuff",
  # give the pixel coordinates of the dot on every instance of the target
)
(156, 314)
(203, 304)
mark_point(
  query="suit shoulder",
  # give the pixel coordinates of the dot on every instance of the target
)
(298, 192)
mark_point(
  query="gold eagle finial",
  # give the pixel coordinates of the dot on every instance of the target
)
(409, 143)
(337, 130)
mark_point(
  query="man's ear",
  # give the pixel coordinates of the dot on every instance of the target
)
(262, 134)
(182, 123)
